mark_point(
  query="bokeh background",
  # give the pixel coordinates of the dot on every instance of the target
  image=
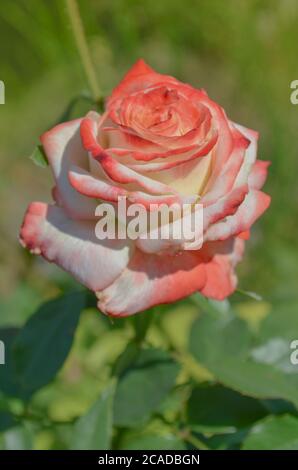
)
(243, 53)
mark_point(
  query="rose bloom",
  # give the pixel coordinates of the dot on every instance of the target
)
(158, 141)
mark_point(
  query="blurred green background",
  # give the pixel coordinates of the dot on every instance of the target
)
(243, 53)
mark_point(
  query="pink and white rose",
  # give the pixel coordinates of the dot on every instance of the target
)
(158, 141)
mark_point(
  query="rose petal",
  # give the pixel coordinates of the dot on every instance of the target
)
(250, 154)
(253, 206)
(219, 210)
(150, 280)
(96, 188)
(63, 147)
(175, 160)
(116, 171)
(189, 177)
(221, 280)
(258, 174)
(139, 77)
(72, 245)
(224, 206)
(226, 177)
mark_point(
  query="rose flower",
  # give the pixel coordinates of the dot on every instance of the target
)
(159, 141)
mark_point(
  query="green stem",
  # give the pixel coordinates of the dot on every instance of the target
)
(193, 440)
(43, 420)
(141, 324)
(78, 29)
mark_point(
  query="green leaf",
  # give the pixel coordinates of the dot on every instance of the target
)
(174, 404)
(8, 380)
(278, 407)
(273, 433)
(143, 387)
(93, 431)
(223, 344)
(211, 336)
(226, 441)
(141, 323)
(126, 358)
(256, 380)
(39, 157)
(275, 352)
(42, 345)
(216, 409)
(7, 420)
(281, 323)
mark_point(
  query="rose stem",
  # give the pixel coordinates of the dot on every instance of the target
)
(80, 37)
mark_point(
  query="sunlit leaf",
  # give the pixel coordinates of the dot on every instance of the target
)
(143, 386)
(223, 344)
(275, 352)
(93, 431)
(273, 433)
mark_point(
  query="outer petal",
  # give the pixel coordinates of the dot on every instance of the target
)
(255, 203)
(72, 245)
(151, 280)
(258, 174)
(63, 148)
(211, 214)
(250, 155)
(228, 173)
(170, 237)
(224, 206)
(221, 280)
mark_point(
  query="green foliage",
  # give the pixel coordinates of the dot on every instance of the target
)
(143, 386)
(45, 340)
(8, 379)
(148, 397)
(6, 420)
(190, 375)
(217, 410)
(273, 433)
(238, 364)
(93, 431)
(39, 157)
